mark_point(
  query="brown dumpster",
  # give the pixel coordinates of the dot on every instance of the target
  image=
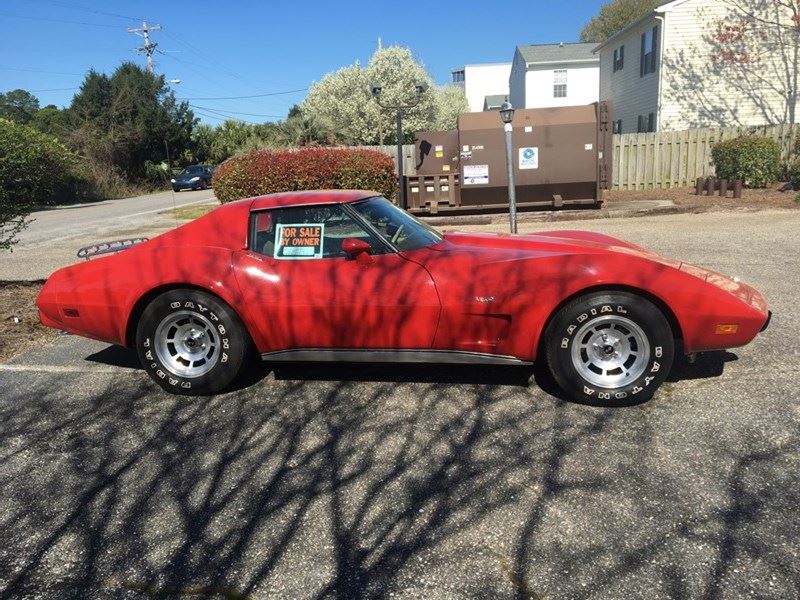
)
(561, 159)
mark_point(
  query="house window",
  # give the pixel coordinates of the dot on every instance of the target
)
(619, 58)
(560, 83)
(458, 76)
(646, 123)
(618, 126)
(647, 59)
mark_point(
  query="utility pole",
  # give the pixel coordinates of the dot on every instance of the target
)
(149, 46)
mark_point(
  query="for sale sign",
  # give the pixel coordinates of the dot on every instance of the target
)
(298, 241)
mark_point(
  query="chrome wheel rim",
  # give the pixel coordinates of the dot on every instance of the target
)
(610, 351)
(187, 344)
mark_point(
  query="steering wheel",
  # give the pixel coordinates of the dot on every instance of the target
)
(397, 233)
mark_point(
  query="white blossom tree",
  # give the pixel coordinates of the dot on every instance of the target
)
(450, 101)
(343, 98)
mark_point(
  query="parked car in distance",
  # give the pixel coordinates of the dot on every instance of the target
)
(349, 276)
(195, 177)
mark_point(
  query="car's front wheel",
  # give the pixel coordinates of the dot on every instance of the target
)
(609, 348)
(190, 342)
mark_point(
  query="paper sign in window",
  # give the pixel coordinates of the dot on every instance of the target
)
(299, 241)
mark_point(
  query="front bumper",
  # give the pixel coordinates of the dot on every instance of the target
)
(766, 323)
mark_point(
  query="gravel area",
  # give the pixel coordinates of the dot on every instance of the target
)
(20, 329)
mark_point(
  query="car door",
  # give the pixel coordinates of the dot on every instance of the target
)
(303, 291)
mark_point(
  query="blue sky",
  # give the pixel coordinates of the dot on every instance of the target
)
(252, 48)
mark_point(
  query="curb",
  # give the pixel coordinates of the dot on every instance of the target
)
(565, 215)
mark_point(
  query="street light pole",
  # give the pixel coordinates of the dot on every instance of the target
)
(376, 90)
(403, 200)
(507, 116)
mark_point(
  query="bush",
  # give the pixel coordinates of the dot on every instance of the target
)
(35, 169)
(267, 171)
(793, 174)
(753, 159)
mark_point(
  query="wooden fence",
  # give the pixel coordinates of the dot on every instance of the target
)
(677, 158)
(666, 159)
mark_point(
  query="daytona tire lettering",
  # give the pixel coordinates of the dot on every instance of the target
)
(595, 309)
(230, 345)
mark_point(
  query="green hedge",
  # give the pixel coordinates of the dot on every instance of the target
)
(35, 169)
(753, 159)
(261, 172)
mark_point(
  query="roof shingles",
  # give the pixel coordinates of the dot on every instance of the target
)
(556, 53)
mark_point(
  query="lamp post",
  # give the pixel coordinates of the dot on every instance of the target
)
(376, 89)
(507, 116)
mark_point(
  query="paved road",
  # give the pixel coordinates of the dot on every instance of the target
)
(409, 482)
(52, 239)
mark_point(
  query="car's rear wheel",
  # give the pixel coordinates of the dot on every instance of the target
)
(190, 342)
(609, 348)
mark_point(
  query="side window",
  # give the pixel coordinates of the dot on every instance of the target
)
(306, 232)
(619, 58)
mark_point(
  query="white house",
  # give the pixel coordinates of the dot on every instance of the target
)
(544, 75)
(702, 63)
(480, 81)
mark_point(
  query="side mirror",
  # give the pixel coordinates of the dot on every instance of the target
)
(353, 247)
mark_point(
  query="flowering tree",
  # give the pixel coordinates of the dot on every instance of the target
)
(343, 98)
(450, 101)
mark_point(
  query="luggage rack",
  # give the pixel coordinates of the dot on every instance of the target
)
(111, 247)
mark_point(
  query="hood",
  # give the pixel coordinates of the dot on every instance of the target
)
(553, 242)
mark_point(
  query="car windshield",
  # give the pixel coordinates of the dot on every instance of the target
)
(193, 170)
(395, 225)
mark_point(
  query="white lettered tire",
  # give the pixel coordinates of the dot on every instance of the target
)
(609, 348)
(191, 343)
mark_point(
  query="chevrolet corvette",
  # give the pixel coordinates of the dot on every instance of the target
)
(349, 276)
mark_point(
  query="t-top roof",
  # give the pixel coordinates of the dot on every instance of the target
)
(310, 197)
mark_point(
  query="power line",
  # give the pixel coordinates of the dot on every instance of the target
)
(208, 57)
(233, 112)
(251, 96)
(54, 90)
(223, 117)
(93, 10)
(39, 71)
(5, 14)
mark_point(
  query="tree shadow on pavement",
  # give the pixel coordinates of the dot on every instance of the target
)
(368, 488)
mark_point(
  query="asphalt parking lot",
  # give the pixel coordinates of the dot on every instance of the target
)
(417, 482)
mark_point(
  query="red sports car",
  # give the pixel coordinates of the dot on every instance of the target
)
(348, 276)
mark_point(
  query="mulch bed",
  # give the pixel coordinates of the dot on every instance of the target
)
(19, 319)
(771, 197)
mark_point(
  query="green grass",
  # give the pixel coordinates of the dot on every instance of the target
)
(189, 213)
